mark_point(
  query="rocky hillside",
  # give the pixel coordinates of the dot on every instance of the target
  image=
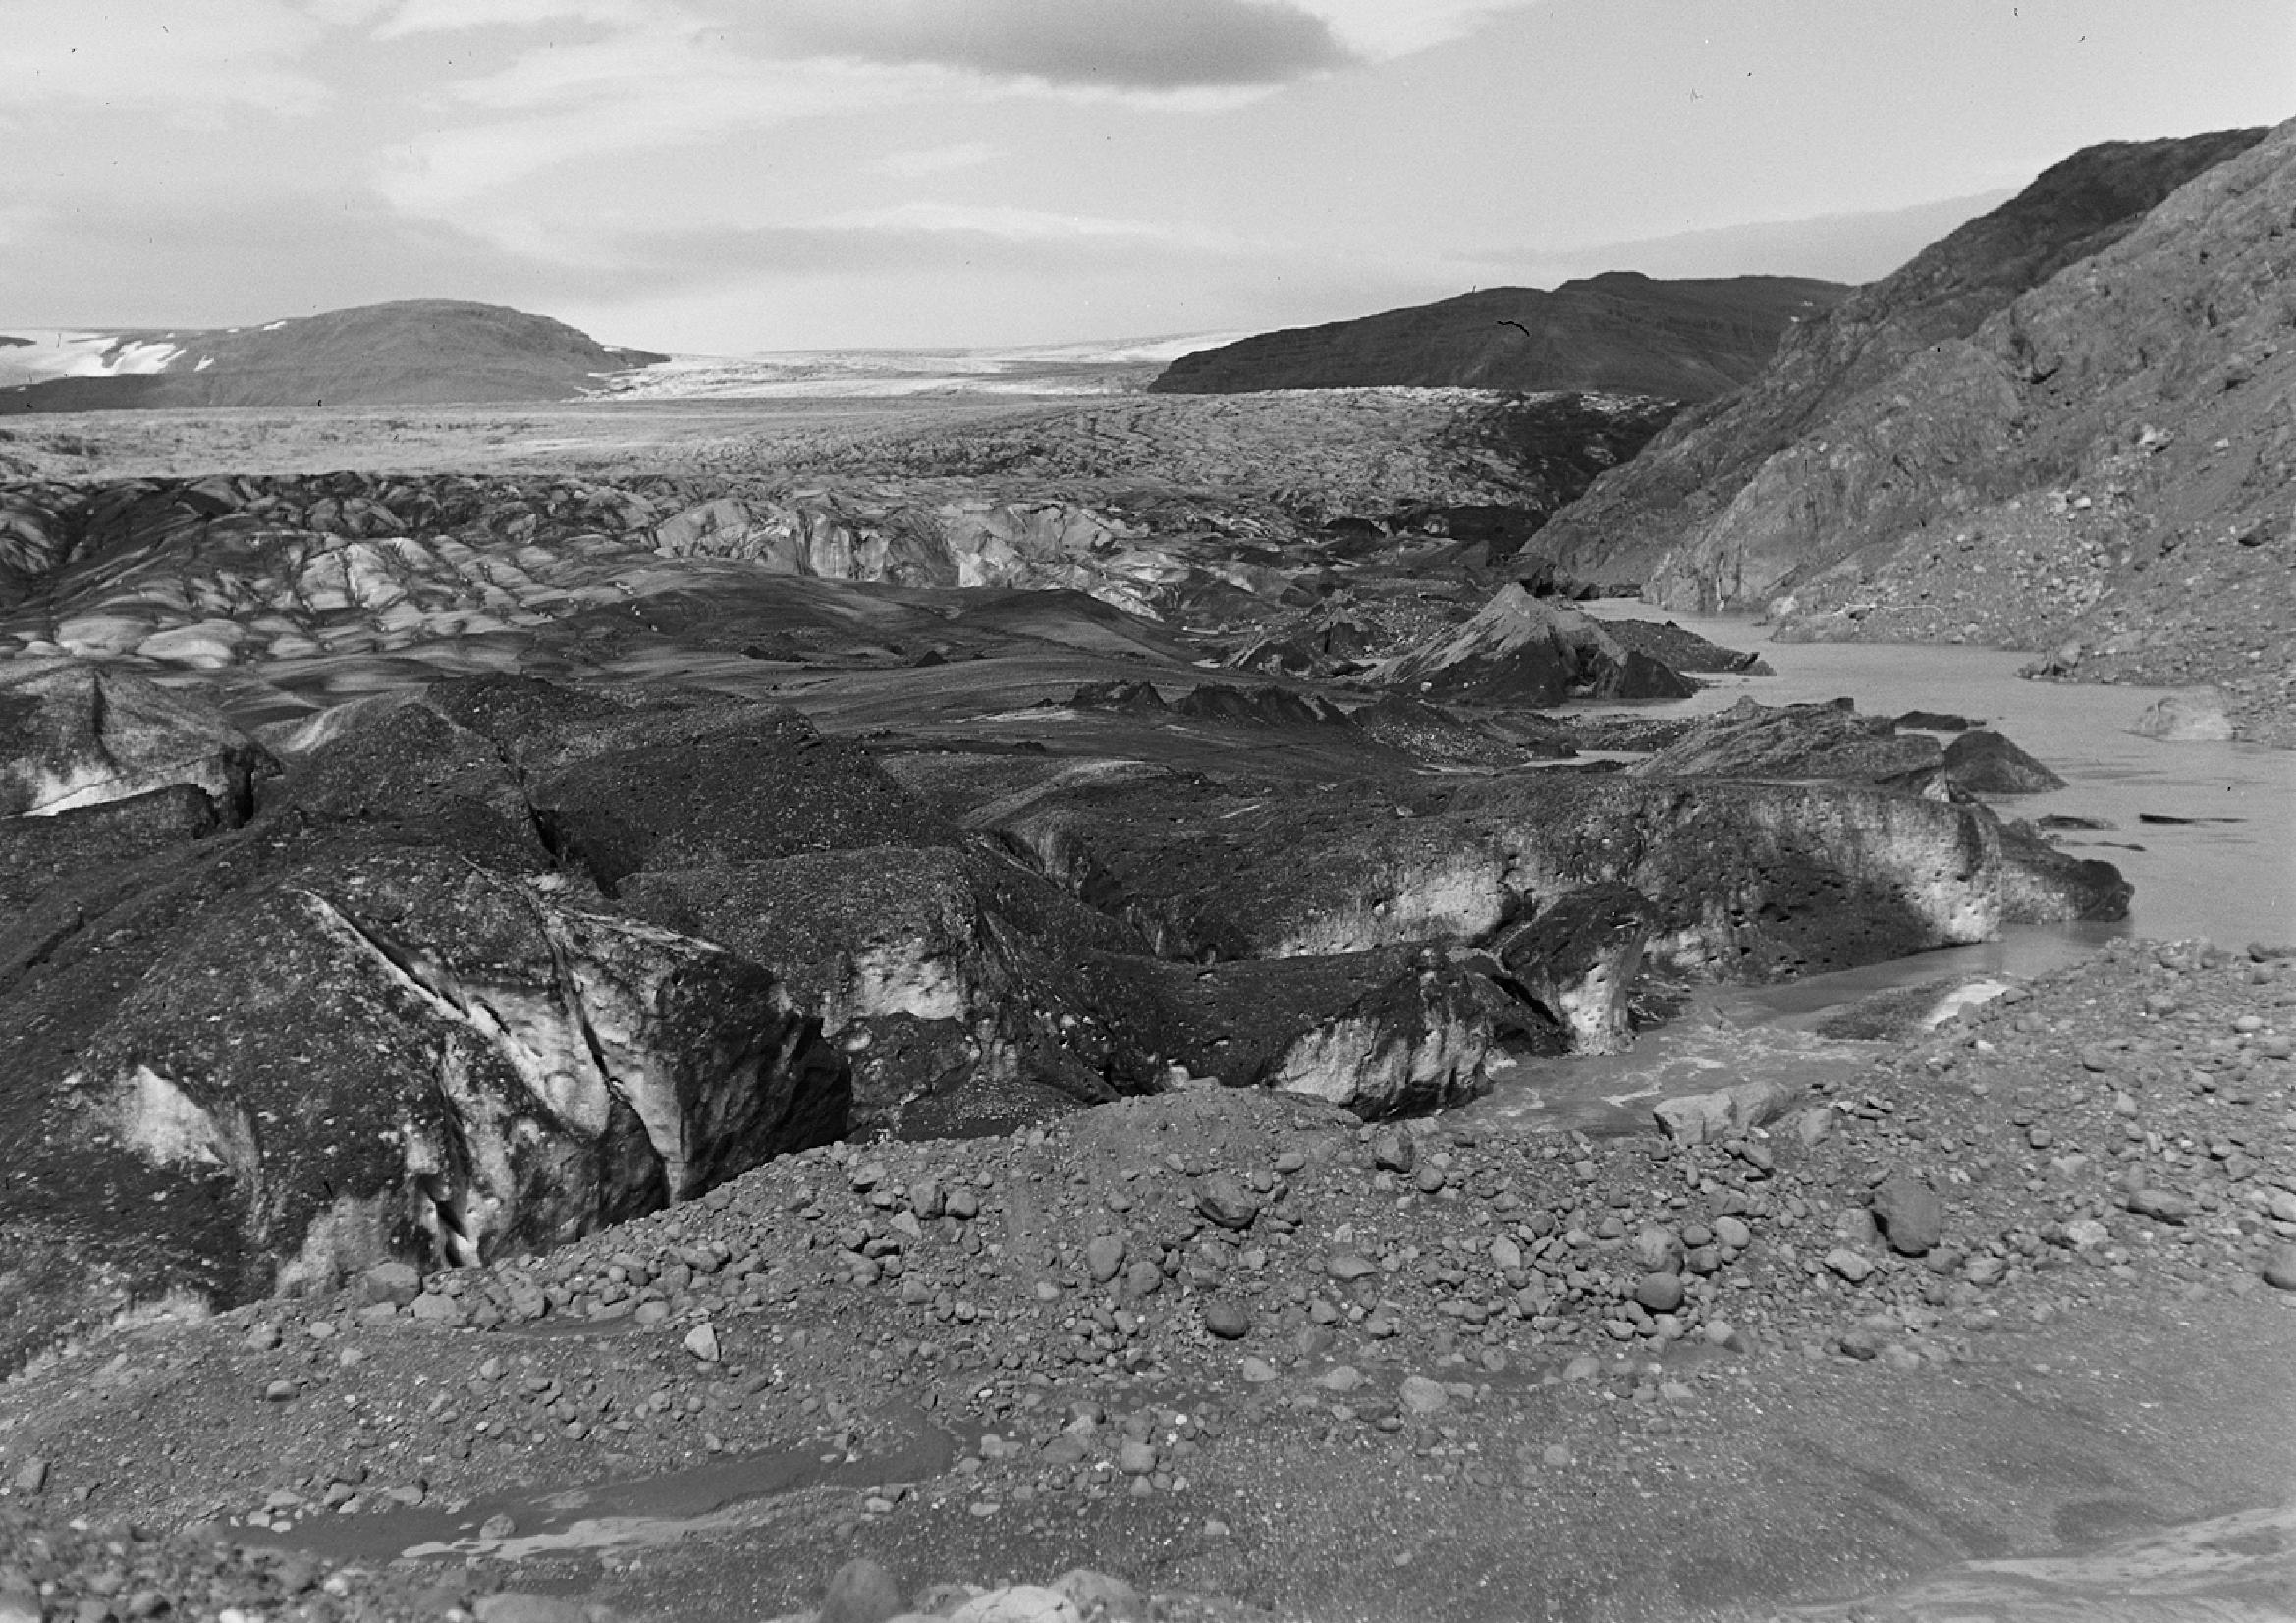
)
(1684, 488)
(415, 352)
(2098, 467)
(1620, 331)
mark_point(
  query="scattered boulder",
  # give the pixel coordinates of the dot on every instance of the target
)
(1659, 1292)
(1226, 1202)
(861, 1592)
(1228, 1320)
(1102, 1598)
(1704, 1118)
(1908, 1214)
(2195, 716)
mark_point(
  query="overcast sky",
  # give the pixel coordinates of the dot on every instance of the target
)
(729, 176)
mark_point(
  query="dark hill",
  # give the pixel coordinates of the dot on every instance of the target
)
(1619, 331)
(421, 352)
(2098, 470)
(1685, 482)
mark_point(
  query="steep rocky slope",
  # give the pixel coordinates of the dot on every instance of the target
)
(2098, 467)
(1684, 486)
(414, 351)
(1620, 331)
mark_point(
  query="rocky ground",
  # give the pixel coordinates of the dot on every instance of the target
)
(2013, 1288)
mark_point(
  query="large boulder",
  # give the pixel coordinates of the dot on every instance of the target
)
(1983, 762)
(75, 733)
(1706, 1117)
(2195, 714)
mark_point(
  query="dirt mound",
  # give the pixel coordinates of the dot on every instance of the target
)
(1619, 330)
(414, 351)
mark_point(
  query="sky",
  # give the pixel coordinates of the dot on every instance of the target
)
(729, 177)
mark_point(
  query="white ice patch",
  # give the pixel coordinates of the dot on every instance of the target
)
(907, 978)
(165, 1125)
(1968, 995)
(352, 1234)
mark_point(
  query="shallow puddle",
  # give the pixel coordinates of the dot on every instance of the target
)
(636, 1511)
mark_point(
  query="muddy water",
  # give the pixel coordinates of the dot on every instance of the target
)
(2228, 873)
(633, 1512)
(2225, 869)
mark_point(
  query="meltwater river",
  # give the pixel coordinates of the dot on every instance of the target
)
(2227, 872)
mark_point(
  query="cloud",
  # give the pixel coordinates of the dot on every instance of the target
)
(1382, 30)
(1017, 224)
(162, 53)
(630, 76)
(418, 16)
(1129, 44)
(226, 264)
(932, 160)
(626, 94)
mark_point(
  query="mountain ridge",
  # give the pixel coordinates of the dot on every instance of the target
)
(1689, 476)
(1618, 332)
(418, 352)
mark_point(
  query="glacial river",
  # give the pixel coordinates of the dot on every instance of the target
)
(2227, 871)
(2228, 874)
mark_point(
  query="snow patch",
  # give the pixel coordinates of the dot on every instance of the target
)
(84, 354)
